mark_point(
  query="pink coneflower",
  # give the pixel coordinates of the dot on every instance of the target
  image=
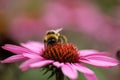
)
(62, 59)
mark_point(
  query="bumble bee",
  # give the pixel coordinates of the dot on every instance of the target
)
(54, 37)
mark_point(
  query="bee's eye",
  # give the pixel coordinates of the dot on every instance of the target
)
(51, 41)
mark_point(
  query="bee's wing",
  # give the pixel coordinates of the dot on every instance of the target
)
(58, 30)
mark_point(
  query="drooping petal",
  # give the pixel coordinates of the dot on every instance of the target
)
(15, 49)
(91, 52)
(14, 58)
(90, 77)
(101, 61)
(82, 68)
(69, 71)
(34, 46)
(57, 64)
(89, 74)
(26, 65)
(41, 64)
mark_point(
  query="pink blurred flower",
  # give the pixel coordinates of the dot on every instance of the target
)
(93, 22)
(62, 56)
(57, 15)
(25, 27)
(85, 16)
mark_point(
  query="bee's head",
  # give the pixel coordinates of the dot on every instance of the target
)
(52, 41)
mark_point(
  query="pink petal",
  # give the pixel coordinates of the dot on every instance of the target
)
(101, 61)
(26, 65)
(41, 64)
(32, 56)
(90, 77)
(83, 69)
(15, 49)
(91, 52)
(103, 58)
(89, 74)
(57, 64)
(69, 71)
(14, 58)
(33, 46)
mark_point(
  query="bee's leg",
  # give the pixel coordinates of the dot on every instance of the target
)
(45, 44)
(62, 39)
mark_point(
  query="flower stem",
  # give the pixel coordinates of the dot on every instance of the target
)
(59, 75)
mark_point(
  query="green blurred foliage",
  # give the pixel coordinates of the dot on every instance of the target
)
(107, 5)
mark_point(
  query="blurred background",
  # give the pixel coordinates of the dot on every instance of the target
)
(89, 24)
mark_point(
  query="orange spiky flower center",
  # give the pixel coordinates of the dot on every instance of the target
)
(61, 53)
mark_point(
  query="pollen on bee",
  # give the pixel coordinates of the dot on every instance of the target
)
(61, 53)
